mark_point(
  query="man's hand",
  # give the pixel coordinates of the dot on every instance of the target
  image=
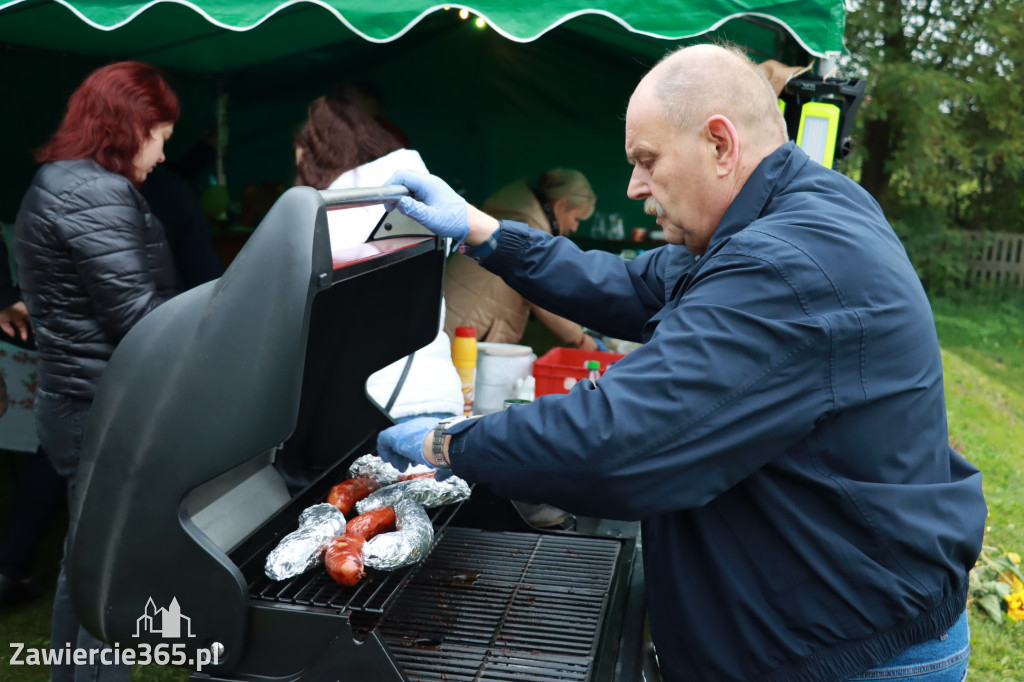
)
(436, 206)
(404, 444)
(14, 321)
(440, 209)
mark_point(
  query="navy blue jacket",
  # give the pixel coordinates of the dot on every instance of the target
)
(781, 433)
(173, 201)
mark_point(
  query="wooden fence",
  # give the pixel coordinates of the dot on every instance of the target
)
(998, 257)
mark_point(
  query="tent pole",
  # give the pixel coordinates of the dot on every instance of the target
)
(222, 130)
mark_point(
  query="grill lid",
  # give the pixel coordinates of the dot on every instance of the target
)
(271, 360)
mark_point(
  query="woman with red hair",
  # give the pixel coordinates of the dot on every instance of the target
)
(92, 261)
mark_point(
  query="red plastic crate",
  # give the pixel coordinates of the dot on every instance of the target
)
(559, 369)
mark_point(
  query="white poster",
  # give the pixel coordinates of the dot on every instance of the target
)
(17, 427)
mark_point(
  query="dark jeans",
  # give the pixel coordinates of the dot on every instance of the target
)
(60, 423)
(38, 493)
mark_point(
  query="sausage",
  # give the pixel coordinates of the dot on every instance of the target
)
(365, 526)
(344, 559)
(345, 495)
(344, 556)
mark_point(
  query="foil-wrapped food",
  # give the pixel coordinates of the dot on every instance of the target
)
(302, 549)
(406, 545)
(372, 466)
(426, 492)
(407, 492)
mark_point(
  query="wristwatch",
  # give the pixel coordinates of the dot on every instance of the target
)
(437, 444)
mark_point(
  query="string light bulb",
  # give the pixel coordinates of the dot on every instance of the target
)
(463, 13)
(480, 22)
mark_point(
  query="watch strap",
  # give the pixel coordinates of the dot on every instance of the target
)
(437, 442)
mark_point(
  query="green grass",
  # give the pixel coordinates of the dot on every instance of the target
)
(29, 623)
(982, 337)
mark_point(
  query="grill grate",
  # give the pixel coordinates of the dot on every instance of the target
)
(503, 606)
(316, 588)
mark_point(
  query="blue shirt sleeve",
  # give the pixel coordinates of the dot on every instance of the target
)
(596, 289)
(716, 392)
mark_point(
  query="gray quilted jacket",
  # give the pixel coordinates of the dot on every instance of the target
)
(92, 261)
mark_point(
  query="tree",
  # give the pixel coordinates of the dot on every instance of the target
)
(941, 134)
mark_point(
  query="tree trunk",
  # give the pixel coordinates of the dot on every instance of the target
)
(875, 176)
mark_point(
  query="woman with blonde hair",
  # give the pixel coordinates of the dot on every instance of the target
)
(555, 203)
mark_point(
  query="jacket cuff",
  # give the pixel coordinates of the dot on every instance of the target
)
(513, 239)
(459, 431)
(482, 251)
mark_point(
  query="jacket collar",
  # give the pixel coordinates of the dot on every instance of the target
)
(771, 175)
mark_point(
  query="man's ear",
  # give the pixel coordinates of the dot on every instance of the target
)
(722, 134)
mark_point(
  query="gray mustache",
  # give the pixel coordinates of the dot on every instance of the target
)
(652, 207)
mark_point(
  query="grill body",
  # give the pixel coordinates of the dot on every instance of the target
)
(235, 406)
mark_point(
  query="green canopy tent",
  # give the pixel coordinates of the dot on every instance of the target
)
(523, 89)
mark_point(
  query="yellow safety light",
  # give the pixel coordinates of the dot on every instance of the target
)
(819, 128)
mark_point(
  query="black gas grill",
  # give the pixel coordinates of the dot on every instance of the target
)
(508, 609)
(235, 406)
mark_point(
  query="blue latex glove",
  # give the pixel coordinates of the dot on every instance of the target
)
(437, 206)
(600, 344)
(402, 444)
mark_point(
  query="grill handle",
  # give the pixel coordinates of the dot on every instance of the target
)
(392, 224)
(363, 196)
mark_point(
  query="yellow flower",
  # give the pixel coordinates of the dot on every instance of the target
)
(1015, 606)
(1013, 581)
(1014, 557)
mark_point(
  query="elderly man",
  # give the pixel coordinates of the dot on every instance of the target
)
(782, 431)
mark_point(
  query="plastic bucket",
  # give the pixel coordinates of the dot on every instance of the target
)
(498, 367)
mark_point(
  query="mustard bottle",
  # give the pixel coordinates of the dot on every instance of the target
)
(464, 359)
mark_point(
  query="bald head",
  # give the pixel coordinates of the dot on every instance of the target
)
(697, 127)
(700, 81)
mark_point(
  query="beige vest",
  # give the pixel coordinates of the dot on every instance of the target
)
(479, 299)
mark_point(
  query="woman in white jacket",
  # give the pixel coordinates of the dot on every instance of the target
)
(342, 146)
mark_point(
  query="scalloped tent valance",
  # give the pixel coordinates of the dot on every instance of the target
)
(219, 35)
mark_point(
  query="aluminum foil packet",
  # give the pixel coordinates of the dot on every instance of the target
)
(303, 549)
(425, 492)
(405, 546)
(372, 466)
